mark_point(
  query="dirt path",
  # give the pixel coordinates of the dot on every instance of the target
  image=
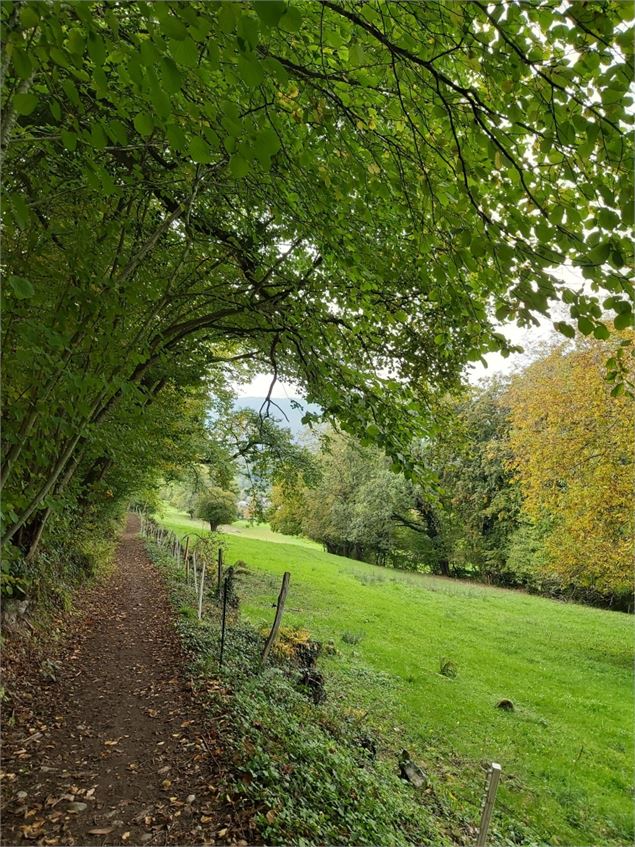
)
(113, 748)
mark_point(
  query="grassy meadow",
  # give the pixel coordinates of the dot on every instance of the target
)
(567, 748)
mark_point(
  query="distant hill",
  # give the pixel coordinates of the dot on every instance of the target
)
(284, 407)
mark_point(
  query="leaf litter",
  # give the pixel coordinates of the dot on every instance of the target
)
(87, 756)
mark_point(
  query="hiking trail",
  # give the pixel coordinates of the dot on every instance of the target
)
(109, 745)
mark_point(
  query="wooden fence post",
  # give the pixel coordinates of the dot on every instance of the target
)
(200, 590)
(276, 621)
(228, 577)
(194, 563)
(493, 778)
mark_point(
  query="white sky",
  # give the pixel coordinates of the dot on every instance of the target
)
(529, 339)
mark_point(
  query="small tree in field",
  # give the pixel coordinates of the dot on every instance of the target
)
(217, 507)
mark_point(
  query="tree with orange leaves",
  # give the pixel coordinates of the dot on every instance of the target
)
(572, 442)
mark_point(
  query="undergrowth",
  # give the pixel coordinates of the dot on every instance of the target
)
(310, 772)
(72, 556)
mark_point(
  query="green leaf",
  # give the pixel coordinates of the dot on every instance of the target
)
(98, 137)
(22, 63)
(20, 210)
(617, 390)
(107, 182)
(608, 219)
(613, 303)
(176, 137)
(600, 253)
(71, 91)
(56, 109)
(173, 27)
(238, 166)
(565, 329)
(623, 320)
(144, 124)
(59, 57)
(617, 259)
(199, 151)
(118, 132)
(184, 52)
(250, 71)
(291, 21)
(248, 29)
(270, 11)
(149, 54)
(267, 145)
(161, 103)
(22, 288)
(76, 42)
(24, 104)
(372, 430)
(585, 325)
(601, 332)
(29, 17)
(171, 75)
(275, 69)
(101, 83)
(226, 18)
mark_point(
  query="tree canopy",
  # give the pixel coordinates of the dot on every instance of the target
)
(216, 507)
(572, 446)
(348, 195)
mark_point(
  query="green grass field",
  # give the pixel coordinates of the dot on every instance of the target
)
(567, 749)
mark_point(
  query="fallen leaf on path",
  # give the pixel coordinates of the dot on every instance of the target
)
(74, 808)
(106, 830)
(31, 830)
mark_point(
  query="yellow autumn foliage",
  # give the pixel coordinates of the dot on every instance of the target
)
(574, 457)
(289, 639)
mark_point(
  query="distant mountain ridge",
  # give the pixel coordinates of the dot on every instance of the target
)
(284, 410)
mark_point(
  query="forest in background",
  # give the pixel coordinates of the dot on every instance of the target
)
(525, 473)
